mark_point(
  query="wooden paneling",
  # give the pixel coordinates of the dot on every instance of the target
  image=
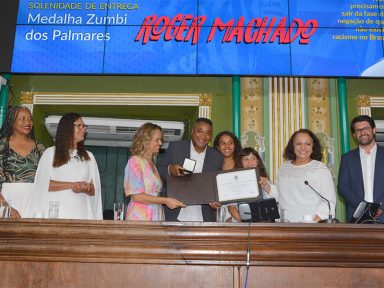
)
(73, 274)
(312, 277)
(64, 253)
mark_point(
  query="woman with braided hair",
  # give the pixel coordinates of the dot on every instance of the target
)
(19, 154)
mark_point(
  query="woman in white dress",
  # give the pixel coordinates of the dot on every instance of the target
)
(68, 174)
(296, 198)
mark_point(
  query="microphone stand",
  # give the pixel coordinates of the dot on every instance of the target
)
(248, 260)
(330, 218)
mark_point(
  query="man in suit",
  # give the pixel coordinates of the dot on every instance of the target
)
(207, 160)
(361, 174)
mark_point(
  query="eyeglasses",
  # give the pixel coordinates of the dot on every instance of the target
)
(361, 130)
(81, 126)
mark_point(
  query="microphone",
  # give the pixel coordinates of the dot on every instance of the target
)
(330, 218)
(245, 211)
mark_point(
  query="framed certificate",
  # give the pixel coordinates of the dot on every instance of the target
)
(226, 186)
(238, 185)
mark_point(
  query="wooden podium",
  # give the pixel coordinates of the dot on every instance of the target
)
(65, 253)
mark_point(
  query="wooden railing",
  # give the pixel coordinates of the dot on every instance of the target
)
(65, 253)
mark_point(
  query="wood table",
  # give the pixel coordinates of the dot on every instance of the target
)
(69, 253)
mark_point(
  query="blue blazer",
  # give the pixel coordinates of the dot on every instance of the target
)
(176, 153)
(350, 183)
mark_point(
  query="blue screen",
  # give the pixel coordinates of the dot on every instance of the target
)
(201, 37)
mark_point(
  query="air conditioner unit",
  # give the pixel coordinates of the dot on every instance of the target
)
(118, 132)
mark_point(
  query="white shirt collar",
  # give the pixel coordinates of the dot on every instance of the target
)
(194, 150)
(373, 150)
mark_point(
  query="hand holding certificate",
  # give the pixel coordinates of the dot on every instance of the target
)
(237, 185)
(224, 187)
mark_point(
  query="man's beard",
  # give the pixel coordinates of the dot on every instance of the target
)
(368, 141)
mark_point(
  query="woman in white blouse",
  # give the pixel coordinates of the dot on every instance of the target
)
(67, 173)
(304, 155)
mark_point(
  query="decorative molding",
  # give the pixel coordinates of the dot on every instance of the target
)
(191, 243)
(205, 105)
(205, 111)
(319, 120)
(363, 101)
(251, 105)
(318, 105)
(366, 102)
(203, 101)
(377, 101)
(61, 253)
(286, 115)
(252, 114)
(254, 140)
(26, 98)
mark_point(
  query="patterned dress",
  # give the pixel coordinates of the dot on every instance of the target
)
(19, 168)
(142, 177)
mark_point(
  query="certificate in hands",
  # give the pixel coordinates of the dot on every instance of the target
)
(238, 185)
(227, 186)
